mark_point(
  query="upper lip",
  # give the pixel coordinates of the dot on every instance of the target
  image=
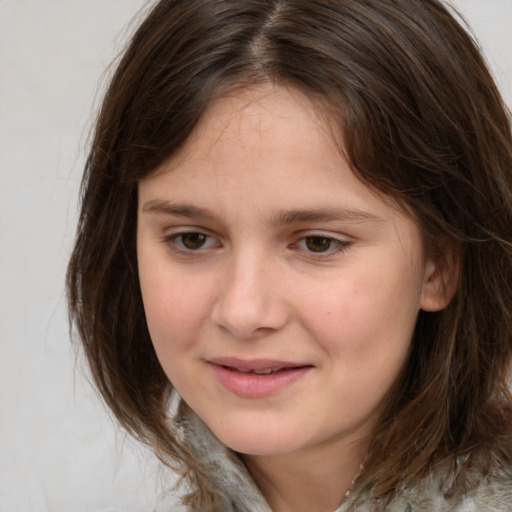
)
(254, 364)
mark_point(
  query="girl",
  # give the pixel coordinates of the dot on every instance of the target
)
(292, 274)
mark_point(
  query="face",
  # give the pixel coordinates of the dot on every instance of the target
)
(280, 292)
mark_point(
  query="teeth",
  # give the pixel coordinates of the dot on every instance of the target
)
(267, 371)
(263, 371)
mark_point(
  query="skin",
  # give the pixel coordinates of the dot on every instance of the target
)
(227, 271)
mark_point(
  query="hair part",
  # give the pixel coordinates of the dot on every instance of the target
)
(420, 119)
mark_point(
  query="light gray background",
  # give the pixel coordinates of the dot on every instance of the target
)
(59, 450)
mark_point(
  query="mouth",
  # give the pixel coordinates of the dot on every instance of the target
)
(257, 378)
(263, 371)
(256, 366)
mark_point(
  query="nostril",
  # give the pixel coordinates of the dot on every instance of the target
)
(249, 318)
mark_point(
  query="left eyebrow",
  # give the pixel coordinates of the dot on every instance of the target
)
(324, 214)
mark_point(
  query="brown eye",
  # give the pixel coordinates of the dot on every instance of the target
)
(193, 241)
(319, 243)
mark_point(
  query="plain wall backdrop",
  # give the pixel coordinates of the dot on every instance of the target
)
(59, 449)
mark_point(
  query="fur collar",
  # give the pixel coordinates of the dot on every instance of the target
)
(237, 491)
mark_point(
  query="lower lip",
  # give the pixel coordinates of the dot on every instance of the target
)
(253, 385)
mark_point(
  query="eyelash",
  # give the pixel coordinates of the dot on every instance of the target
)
(175, 242)
(339, 245)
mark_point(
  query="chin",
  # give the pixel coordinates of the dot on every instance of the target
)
(266, 441)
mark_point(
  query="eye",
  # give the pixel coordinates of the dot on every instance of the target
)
(192, 241)
(321, 244)
(318, 243)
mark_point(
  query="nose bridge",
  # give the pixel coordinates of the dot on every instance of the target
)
(249, 303)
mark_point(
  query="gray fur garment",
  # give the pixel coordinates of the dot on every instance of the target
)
(238, 492)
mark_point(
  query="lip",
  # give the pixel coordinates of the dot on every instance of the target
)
(238, 377)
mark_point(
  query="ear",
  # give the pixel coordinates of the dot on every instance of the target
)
(441, 279)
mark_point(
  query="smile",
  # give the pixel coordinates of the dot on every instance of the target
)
(257, 378)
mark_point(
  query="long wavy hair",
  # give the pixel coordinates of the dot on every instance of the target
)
(421, 120)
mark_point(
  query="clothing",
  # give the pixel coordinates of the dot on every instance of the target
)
(239, 493)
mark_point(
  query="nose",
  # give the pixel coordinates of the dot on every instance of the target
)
(250, 303)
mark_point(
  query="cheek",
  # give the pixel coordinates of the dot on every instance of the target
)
(175, 308)
(175, 314)
(365, 334)
(367, 317)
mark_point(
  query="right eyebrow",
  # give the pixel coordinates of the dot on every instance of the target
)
(178, 209)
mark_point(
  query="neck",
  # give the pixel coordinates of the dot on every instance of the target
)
(305, 481)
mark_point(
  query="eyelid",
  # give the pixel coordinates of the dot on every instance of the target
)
(338, 237)
(183, 229)
(342, 243)
(171, 236)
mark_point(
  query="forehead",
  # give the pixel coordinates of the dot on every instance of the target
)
(268, 117)
(270, 145)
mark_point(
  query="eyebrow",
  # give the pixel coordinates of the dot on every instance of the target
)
(321, 214)
(178, 209)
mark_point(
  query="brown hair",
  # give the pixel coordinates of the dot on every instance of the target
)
(421, 120)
